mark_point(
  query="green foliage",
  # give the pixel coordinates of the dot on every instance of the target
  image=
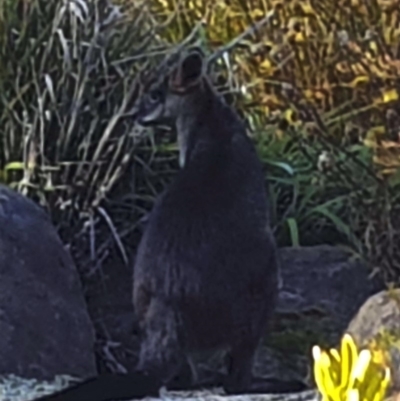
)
(326, 130)
(320, 80)
(68, 77)
(332, 196)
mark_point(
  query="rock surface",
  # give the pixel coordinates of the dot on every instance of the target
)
(44, 323)
(324, 278)
(377, 326)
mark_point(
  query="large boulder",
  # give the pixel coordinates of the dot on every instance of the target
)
(44, 323)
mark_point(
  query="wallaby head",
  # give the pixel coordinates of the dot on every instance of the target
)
(165, 98)
(176, 98)
(185, 99)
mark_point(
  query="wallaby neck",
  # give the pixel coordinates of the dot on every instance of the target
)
(206, 123)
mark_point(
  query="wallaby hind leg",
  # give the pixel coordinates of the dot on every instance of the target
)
(189, 379)
(240, 379)
(161, 353)
(239, 363)
(186, 377)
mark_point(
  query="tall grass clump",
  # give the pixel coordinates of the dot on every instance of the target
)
(68, 77)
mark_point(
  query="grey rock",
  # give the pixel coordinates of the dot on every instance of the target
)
(44, 323)
(322, 288)
(324, 278)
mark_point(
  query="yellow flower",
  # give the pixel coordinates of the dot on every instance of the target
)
(349, 375)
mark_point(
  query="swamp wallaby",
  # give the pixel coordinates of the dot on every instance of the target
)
(205, 275)
(206, 271)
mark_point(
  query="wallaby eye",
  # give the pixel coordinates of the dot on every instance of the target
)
(155, 96)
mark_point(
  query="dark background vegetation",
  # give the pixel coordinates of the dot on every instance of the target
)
(318, 84)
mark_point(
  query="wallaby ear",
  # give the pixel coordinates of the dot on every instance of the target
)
(189, 71)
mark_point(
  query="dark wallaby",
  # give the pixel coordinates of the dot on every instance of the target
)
(205, 275)
(206, 271)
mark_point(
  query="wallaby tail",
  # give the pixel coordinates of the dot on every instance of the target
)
(108, 387)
